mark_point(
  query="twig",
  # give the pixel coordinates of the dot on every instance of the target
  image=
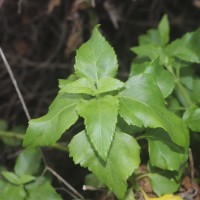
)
(191, 165)
(78, 195)
(15, 84)
(19, 6)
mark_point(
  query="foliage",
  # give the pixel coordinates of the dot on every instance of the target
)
(160, 100)
(24, 182)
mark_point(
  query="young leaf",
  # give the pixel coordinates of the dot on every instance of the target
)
(109, 84)
(163, 152)
(48, 129)
(96, 59)
(100, 119)
(141, 103)
(122, 160)
(186, 48)
(82, 85)
(28, 162)
(192, 118)
(163, 30)
(162, 185)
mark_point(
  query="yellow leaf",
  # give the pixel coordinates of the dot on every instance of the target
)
(167, 197)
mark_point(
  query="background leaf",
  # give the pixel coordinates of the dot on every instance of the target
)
(163, 30)
(28, 162)
(42, 189)
(122, 160)
(192, 118)
(96, 59)
(100, 120)
(48, 129)
(10, 191)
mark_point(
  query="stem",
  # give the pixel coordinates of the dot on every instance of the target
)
(180, 87)
(20, 136)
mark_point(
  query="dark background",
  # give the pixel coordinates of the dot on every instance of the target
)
(39, 39)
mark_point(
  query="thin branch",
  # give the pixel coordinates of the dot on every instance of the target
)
(19, 6)
(78, 195)
(15, 84)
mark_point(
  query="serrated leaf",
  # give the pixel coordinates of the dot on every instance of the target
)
(10, 191)
(141, 103)
(42, 189)
(192, 118)
(100, 120)
(122, 160)
(163, 152)
(109, 84)
(96, 59)
(48, 129)
(162, 185)
(186, 48)
(63, 82)
(163, 30)
(161, 76)
(28, 162)
(82, 85)
(18, 180)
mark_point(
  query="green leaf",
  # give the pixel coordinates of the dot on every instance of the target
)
(122, 160)
(82, 85)
(162, 185)
(18, 180)
(149, 50)
(161, 76)
(130, 195)
(196, 90)
(163, 30)
(163, 152)
(186, 48)
(63, 82)
(3, 125)
(96, 59)
(192, 118)
(92, 180)
(109, 84)
(10, 191)
(141, 103)
(100, 120)
(28, 162)
(48, 129)
(42, 189)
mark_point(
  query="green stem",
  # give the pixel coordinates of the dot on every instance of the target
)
(179, 85)
(19, 136)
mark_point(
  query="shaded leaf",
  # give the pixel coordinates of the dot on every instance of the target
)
(10, 191)
(100, 120)
(28, 162)
(122, 160)
(162, 185)
(42, 189)
(96, 59)
(163, 152)
(18, 180)
(48, 129)
(192, 118)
